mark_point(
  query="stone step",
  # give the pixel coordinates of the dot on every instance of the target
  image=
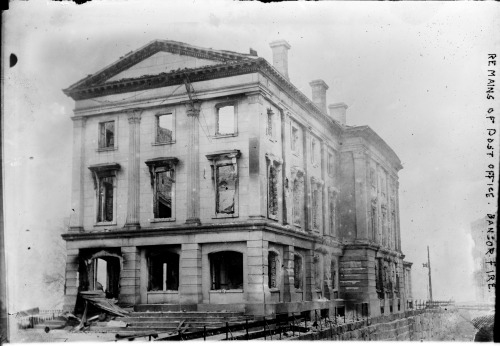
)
(187, 314)
(180, 318)
(164, 307)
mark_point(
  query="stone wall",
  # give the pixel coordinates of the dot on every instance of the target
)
(412, 325)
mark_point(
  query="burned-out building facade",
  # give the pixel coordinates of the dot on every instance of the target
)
(205, 179)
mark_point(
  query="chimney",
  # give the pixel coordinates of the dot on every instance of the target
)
(280, 56)
(319, 89)
(338, 112)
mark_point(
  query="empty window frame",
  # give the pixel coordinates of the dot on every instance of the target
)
(270, 124)
(225, 177)
(332, 206)
(295, 140)
(297, 271)
(107, 135)
(226, 270)
(298, 197)
(165, 128)
(163, 271)
(331, 163)
(272, 269)
(162, 172)
(225, 119)
(104, 176)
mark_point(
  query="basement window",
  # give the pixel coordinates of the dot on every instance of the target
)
(163, 272)
(107, 135)
(272, 269)
(226, 270)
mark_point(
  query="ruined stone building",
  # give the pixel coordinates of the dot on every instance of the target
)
(483, 233)
(205, 179)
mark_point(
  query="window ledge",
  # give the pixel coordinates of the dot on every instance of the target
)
(298, 290)
(225, 135)
(274, 289)
(227, 291)
(106, 149)
(111, 223)
(225, 216)
(272, 139)
(163, 292)
(315, 165)
(162, 220)
(162, 143)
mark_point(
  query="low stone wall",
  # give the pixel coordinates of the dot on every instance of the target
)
(414, 325)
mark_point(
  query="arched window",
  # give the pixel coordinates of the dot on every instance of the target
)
(272, 269)
(226, 270)
(297, 271)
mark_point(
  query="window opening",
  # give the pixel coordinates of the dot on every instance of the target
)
(226, 189)
(226, 270)
(298, 200)
(295, 139)
(273, 191)
(107, 134)
(163, 272)
(105, 213)
(297, 271)
(102, 273)
(164, 128)
(163, 194)
(225, 120)
(272, 261)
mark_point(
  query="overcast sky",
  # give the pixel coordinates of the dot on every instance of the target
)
(415, 72)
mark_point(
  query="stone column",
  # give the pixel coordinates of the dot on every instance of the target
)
(78, 181)
(193, 168)
(130, 280)
(360, 190)
(71, 280)
(307, 189)
(134, 120)
(190, 285)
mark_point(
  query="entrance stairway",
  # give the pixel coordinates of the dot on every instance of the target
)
(169, 321)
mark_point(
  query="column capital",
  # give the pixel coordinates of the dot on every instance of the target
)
(134, 116)
(192, 112)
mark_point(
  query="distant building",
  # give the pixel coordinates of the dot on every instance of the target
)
(483, 232)
(205, 178)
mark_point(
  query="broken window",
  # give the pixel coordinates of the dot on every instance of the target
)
(107, 135)
(272, 188)
(313, 151)
(331, 164)
(298, 201)
(226, 270)
(226, 188)
(162, 171)
(226, 120)
(225, 177)
(165, 128)
(332, 201)
(270, 121)
(272, 269)
(334, 274)
(105, 212)
(295, 139)
(297, 271)
(163, 271)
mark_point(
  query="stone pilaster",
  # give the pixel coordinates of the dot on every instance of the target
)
(256, 270)
(78, 181)
(361, 193)
(256, 189)
(398, 229)
(305, 157)
(288, 277)
(134, 120)
(190, 285)
(130, 275)
(71, 282)
(193, 168)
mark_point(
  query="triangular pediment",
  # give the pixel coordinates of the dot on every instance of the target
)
(155, 58)
(162, 62)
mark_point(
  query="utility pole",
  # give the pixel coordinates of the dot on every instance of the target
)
(428, 265)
